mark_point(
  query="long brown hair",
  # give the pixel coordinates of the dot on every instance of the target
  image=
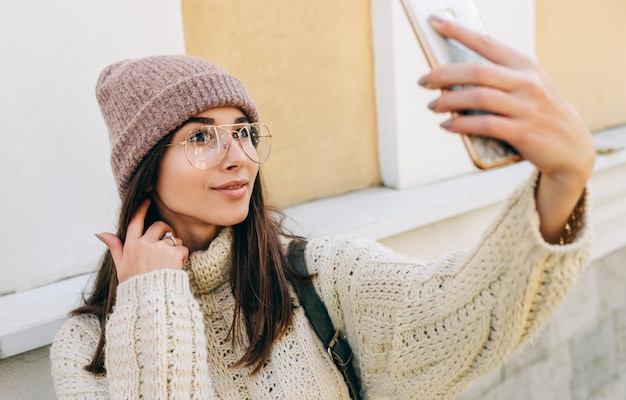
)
(260, 273)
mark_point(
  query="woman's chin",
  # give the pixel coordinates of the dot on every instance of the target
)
(234, 219)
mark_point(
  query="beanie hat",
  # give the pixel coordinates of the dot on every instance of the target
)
(143, 100)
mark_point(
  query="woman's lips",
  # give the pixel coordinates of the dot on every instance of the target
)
(233, 189)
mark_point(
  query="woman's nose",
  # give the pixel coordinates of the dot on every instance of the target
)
(235, 155)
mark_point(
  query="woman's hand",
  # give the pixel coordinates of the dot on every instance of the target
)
(530, 114)
(144, 252)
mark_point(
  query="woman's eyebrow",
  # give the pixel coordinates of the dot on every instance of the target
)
(210, 121)
(200, 120)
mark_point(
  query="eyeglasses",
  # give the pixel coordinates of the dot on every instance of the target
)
(207, 146)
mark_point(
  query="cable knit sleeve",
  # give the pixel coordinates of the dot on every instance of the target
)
(426, 329)
(155, 341)
(155, 345)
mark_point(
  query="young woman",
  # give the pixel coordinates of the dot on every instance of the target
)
(194, 298)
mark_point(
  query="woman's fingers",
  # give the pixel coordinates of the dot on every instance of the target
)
(142, 252)
(158, 230)
(137, 221)
(477, 98)
(496, 126)
(490, 75)
(114, 244)
(487, 47)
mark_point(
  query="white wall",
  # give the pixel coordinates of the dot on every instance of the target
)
(56, 186)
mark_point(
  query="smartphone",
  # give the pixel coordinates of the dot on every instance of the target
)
(485, 152)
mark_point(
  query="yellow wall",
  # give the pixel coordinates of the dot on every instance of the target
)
(582, 45)
(309, 66)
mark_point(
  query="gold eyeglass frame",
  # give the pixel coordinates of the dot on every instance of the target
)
(234, 134)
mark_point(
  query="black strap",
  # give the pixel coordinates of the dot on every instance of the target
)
(315, 309)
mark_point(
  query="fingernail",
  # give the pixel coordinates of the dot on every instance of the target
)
(435, 21)
(100, 238)
(432, 104)
(445, 124)
(423, 81)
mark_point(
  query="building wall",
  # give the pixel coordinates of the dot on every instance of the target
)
(580, 44)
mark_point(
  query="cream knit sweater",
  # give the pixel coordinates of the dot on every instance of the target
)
(419, 329)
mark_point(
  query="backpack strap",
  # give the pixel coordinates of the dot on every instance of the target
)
(337, 346)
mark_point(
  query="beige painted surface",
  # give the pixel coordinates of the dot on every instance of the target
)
(582, 45)
(309, 67)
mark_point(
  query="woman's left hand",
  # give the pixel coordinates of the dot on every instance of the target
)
(529, 113)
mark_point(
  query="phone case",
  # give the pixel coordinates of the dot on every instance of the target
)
(485, 152)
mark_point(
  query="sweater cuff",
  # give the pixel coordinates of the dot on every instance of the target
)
(162, 282)
(577, 229)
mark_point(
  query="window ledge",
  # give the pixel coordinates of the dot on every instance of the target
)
(383, 212)
(31, 318)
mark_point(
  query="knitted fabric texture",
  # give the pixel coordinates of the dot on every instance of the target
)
(143, 100)
(419, 329)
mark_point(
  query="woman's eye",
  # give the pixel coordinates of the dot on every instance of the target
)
(244, 132)
(254, 135)
(201, 136)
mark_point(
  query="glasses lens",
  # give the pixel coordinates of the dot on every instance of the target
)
(256, 141)
(204, 148)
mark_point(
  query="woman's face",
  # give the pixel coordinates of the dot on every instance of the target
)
(196, 203)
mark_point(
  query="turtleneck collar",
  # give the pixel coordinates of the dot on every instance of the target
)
(210, 268)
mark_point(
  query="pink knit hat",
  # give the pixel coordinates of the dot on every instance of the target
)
(143, 100)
